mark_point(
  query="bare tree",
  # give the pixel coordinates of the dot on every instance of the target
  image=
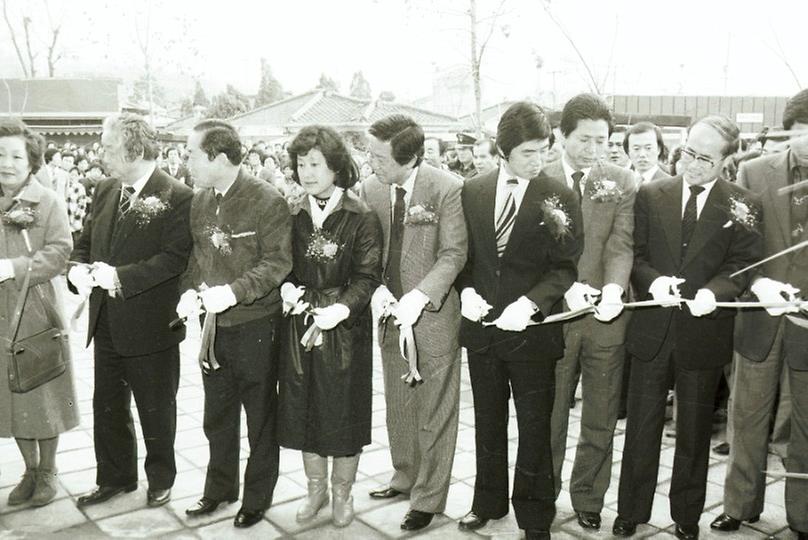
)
(477, 50)
(25, 67)
(34, 39)
(592, 81)
(55, 28)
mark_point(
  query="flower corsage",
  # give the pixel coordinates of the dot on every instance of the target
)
(323, 246)
(554, 216)
(421, 214)
(742, 212)
(149, 208)
(22, 218)
(604, 190)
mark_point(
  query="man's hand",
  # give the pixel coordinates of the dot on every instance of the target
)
(330, 316)
(771, 291)
(105, 276)
(291, 295)
(472, 305)
(79, 276)
(580, 296)
(611, 303)
(217, 299)
(666, 289)
(516, 316)
(189, 304)
(703, 303)
(381, 300)
(409, 308)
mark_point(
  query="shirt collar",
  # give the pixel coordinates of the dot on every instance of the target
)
(707, 187)
(505, 175)
(569, 169)
(408, 185)
(140, 183)
(649, 174)
(224, 191)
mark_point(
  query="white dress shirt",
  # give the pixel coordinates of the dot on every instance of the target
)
(701, 198)
(408, 186)
(502, 190)
(648, 175)
(140, 183)
(569, 169)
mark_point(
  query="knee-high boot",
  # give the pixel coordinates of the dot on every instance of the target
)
(316, 468)
(343, 476)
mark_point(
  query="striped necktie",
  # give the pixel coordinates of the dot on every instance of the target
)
(503, 225)
(127, 193)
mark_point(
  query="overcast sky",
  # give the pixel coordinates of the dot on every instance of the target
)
(631, 46)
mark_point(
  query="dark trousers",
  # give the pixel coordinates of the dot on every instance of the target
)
(532, 383)
(153, 380)
(647, 393)
(247, 377)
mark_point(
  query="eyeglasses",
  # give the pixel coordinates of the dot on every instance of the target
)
(688, 154)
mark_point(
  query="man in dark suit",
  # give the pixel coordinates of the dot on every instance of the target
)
(646, 149)
(175, 168)
(133, 248)
(765, 341)
(593, 343)
(689, 232)
(525, 237)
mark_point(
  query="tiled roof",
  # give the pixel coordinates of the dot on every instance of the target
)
(62, 98)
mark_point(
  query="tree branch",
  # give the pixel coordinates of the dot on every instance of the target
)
(13, 36)
(592, 81)
(26, 23)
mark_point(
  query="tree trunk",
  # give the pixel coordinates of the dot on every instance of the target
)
(475, 68)
(14, 41)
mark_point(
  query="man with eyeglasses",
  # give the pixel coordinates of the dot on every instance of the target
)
(768, 343)
(686, 236)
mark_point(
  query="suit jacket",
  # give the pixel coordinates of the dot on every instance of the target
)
(715, 252)
(608, 250)
(756, 329)
(183, 175)
(534, 264)
(149, 258)
(432, 254)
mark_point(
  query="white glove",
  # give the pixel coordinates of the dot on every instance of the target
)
(771, 291)
(105, 276)
(330, 316)
(702, 304)
(611, 303)
(580, 296)
(472, 305)
(409, 308)
(217, 299)
(516, 316)
(189, 304)
(666, 288)
(381, 300)
(79, 276)
(291, 295)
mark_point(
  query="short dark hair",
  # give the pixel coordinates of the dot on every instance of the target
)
(489, 142)
(726, 128)
(441, 144)
(522, 122)
(69, 154)
(170, 149)
(645, 127)
(49, 153)
(219, 137)
(270, 156)
(96, 165)
(336, 153)
(405, 136)
(796, 109)
(585, 107)
(138, 137)
(34, 143)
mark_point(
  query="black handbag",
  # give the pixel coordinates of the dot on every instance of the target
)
(36, 359)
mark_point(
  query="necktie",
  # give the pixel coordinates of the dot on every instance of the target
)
(576, 183)
(503, 225)
(127, 193)
(690, 217)
(392, 273)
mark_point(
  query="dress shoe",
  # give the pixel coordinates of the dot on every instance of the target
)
(104, 493)
(23, 491)
(471, 522)
(416, 520)
(157, 497)
(722, 449)
(536, 534)
(623, 527)
(588, 520)
(687, 532)
(385, 493)
(727, 523)
(248, 518)
(206, 505)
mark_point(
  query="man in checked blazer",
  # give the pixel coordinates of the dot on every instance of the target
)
(525, 237)
(425, 247)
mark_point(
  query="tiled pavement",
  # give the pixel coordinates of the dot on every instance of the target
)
(128, 516)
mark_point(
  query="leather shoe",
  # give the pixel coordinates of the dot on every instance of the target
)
(416, 520)
(385, 493)
(157, 497)
(588, 520)
(722, 449)
(727, 523)
(623, 527)
(471, 522)
(104, 493)
(206, 505)
(687, 532)
(536, 534)
(248, 518)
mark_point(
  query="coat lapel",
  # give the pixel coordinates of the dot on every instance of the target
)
(104, 218)
(712, 219)
(486, 199)
(378, 195)
(129, 221)
(420, 195)
(778, 178)
(670, 214)
(529, 215)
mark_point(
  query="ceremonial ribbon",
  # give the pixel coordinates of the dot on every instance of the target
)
(406, 345)
(207, 355)
(786, 474)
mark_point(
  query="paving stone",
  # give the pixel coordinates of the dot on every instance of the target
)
(60, 514)
(178, 506)
(149, 522)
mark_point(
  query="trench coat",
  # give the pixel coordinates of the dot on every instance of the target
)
(49, 409)
(325, 393)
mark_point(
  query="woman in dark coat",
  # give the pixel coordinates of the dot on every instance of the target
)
(34, 234)
(326, 360)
